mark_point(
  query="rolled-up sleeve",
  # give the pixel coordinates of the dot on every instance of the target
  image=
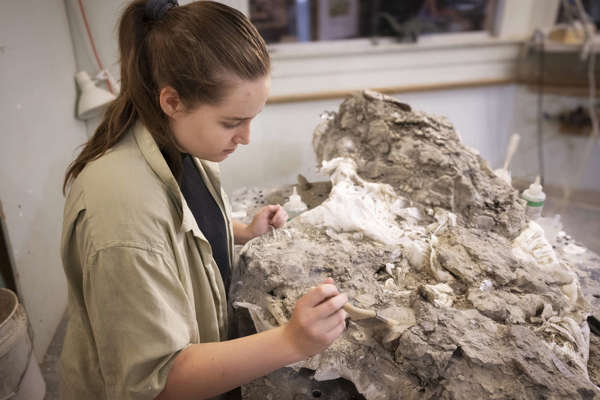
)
(140, 318)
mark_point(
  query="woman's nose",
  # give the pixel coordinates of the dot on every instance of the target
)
(242, 137)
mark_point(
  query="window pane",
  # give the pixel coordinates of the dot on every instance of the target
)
(307, 20)
(569, 13)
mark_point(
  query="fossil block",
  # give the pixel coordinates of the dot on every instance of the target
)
(422, 157)
(419, 229)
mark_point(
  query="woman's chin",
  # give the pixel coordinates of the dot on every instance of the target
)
(213, 157)
(225, 154)
(219, 157)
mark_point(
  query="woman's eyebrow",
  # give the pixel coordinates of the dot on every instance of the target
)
(237, 118)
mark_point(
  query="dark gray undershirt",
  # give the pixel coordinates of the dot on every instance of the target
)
(207, 213)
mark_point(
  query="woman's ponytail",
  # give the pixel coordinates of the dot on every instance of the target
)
(191, 48)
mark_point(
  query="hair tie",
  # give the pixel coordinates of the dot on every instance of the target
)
(156, 9)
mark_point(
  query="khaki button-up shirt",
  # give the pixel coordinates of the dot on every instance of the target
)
(143, 284)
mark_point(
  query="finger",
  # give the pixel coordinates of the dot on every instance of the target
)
(331, 306)
(278, 220)
(272, 209)
(327, 280)
(317, 295)
(266, 210)
(332, 321)
(335, 332)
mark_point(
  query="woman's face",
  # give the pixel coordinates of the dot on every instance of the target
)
(212, 132)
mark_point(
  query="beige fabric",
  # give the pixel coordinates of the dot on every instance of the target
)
(142, 281)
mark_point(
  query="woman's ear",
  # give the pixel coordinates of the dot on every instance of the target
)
(170, 102)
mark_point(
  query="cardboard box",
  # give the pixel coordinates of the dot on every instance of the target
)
(337, 19)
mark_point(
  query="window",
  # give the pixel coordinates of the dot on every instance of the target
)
(568, 11)
(327, 48)
(283, 21)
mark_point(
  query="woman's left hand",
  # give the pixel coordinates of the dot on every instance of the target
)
(267, 218)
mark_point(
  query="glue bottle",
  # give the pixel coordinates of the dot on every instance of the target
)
(294, 205)
(535, 197)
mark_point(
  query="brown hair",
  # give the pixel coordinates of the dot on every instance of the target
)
(191, 48)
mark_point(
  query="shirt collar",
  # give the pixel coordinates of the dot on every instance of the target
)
(157, 163)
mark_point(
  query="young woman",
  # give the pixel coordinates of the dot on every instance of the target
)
(147, 239)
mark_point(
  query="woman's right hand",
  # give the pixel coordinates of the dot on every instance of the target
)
(318, 319)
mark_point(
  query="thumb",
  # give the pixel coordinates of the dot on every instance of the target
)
(271, 211)
(273, 208)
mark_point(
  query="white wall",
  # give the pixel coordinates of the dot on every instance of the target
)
(485, 117)
(281, 147)
(103, 19)
(562, 152)
(281, 140)
(39, 135)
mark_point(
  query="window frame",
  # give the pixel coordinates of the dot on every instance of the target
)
(332, 69)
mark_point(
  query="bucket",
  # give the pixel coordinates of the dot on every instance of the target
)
(20, 376)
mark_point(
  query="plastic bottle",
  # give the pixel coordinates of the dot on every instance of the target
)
(294, 205)
(535, 197)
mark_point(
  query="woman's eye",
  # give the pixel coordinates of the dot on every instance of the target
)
(231, 126)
